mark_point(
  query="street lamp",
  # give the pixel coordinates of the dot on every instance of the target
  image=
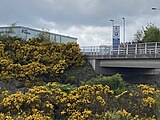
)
(123, 30)
(154, 8)
(112, 22)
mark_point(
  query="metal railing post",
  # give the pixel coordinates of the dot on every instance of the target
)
(118, 49)
(136, 49)
(156, 48)
(145, 48)
(110, 52)
(127, 49)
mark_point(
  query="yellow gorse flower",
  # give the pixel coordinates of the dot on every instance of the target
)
(146, 89)
(148, 101)
(124, 113)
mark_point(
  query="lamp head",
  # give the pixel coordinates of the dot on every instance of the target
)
(154, 8)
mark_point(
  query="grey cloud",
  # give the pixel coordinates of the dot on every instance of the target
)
(61, 15)
(86, 12)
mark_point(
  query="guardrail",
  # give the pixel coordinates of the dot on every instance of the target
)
(124, 50)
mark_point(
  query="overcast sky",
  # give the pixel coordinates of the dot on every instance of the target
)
(88, 20)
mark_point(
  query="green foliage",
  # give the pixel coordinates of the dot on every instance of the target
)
(65, 87)
(157, 105)
(151, 33)
(78, 74)
(44, 36)
(5, 37)
(115, 82)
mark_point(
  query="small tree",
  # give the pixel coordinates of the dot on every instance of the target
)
(44, 36)
(151, 33)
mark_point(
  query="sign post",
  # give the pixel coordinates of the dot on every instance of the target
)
(116, 37)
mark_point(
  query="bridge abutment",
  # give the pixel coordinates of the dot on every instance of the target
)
(142, 71)
(95, 64)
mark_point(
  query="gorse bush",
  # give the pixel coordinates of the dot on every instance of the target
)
(141, 100)
(88, 102)
(36, 102)
(34, 60)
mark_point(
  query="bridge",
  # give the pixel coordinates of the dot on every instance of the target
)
(139, 61)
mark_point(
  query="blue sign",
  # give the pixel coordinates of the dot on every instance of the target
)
(116, 43)
(116, 37)
(25, 31)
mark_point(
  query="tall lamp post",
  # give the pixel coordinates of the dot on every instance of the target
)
(112, 29)
(123, 30)
(157, 85)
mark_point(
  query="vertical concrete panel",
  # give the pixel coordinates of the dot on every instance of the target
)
(96, 65)
(92, 62)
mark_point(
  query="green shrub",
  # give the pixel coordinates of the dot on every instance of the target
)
(115, 82)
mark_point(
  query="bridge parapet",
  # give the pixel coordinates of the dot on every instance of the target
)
(134, 50)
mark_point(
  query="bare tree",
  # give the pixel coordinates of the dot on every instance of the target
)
(138, 36)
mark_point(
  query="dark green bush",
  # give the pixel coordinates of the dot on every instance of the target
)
(115, 82)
